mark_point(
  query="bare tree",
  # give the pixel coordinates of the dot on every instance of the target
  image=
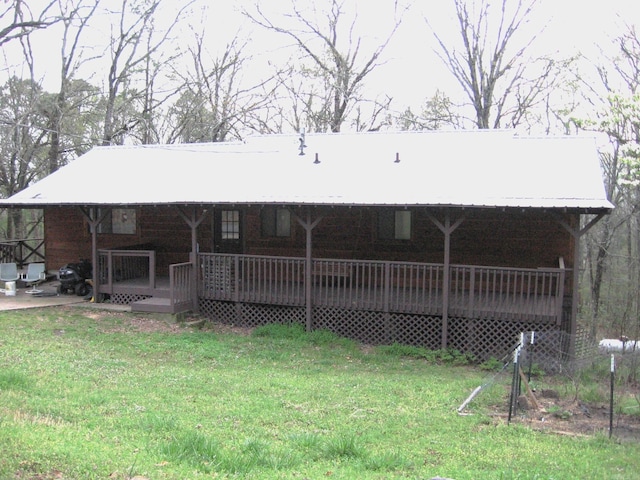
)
(134, 40)
(489, 62)
(74, 18)
(216, 102)
(625, 66)
(338, 65)
(18, 20)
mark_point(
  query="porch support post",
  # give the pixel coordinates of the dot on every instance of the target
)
(447, 228)
(91, 215)
(193, 220)
(577, 234)
(308, 226)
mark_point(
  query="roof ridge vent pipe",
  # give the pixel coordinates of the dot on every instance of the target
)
(301, 139)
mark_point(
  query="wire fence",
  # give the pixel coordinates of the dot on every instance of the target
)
(568, 384)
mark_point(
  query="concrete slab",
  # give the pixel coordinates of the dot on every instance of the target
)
(48, 298)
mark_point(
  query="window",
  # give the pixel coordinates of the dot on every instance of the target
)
(119, 221)
(230, 225)
(394, 225)
(276, 222)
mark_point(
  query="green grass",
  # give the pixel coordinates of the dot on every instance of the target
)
(82, 398)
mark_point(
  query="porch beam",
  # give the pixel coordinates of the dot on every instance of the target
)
(193, 221)
(92, 217)
(308, 224)
(447, 228)
(577, 233)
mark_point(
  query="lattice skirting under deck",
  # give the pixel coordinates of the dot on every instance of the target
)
(126, 298)
(481, 338)
(490, 338)
(250, 315)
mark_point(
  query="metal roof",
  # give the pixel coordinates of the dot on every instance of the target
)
(462, 168)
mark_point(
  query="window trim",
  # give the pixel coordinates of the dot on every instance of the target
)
(395, 225)
(110, 224)
(230, 225)
(271, 225)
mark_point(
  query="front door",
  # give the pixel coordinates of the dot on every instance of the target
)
(227, 231)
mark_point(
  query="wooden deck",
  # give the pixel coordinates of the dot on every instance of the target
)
(129, 276)
(401, 287)
(478, 292)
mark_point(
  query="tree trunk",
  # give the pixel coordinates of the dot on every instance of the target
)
(596, 284)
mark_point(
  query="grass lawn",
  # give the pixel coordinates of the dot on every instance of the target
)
(99, 395)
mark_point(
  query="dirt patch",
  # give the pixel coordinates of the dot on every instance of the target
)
(130, 322)
(574, 418)
(581, 419)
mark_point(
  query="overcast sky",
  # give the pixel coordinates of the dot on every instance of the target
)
(412, 70)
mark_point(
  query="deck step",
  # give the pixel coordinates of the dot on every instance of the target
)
(153, 305)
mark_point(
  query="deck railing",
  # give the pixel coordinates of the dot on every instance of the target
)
(478, 292)
(254, 279)
(22, 252)
(380, 286)
(180, 285)
(484, 292)
(403, 287)
(118, 266)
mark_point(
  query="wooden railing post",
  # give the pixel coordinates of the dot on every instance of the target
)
(472, 290)
(386, 299)
(560, 292)
(110, 270)
(235, 274)
(172, 285)
(152, 269)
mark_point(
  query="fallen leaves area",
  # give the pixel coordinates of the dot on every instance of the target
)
(126, 322)
(556, 415)
(129, 322)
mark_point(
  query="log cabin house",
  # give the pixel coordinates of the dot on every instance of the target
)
(440, 239)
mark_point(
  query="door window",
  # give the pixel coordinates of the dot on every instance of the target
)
(230, 224)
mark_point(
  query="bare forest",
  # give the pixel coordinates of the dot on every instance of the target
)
(82, 73)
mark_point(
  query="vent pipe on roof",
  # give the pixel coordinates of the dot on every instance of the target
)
(397, 160)
(302, 144)
(317, 160)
